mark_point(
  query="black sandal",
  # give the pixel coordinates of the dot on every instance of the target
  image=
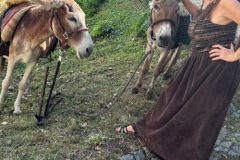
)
(124, 130)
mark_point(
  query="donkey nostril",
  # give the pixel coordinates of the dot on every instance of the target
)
(89, 50)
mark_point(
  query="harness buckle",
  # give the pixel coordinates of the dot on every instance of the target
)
(60, 55)
(65, 35)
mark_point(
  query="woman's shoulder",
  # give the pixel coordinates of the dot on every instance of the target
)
(228, 2)
(230, 9)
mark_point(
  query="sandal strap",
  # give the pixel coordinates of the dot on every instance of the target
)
(123, 129)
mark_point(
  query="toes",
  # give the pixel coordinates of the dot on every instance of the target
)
(117, 129)
(126, 130)
(120, 129)
(130, 129)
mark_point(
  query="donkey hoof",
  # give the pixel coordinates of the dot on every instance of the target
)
(166, 76)
(149, 94)
(135, 90)
(17, 112)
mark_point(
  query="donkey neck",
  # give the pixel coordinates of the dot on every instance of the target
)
(36, 26)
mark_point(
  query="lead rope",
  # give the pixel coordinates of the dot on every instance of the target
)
(110, 105)
(50, 105)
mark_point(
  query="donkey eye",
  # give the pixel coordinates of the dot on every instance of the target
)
(72, 19)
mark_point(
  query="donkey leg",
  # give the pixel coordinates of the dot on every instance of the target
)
(174, 56)
(6, 81)
(28, 87)
(169, 65)
(22, 86)
(163, 59)
(144, 71)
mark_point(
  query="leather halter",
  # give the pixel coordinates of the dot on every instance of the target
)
(174, 25)
(65, 34)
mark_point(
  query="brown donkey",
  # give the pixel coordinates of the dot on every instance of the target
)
(161, 36)
(64, 20)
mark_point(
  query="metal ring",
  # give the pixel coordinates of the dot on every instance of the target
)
(65, 35)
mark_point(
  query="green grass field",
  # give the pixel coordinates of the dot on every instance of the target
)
(70, 136)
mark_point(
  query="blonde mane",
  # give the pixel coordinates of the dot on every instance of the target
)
(5, 4)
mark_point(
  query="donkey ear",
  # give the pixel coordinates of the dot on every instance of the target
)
(70, 8)
(67, 8)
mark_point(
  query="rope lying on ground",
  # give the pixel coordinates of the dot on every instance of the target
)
(106, 107)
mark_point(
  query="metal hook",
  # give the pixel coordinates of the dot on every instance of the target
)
(65, 35)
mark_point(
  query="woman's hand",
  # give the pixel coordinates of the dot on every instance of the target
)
(191, 7)
(219, 52)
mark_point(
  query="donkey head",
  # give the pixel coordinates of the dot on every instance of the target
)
(164, 21)
(69, 27)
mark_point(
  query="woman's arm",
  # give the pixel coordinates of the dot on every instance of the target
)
(231, 10)
(191, 7)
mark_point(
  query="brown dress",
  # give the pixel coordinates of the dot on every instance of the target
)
(186, 120)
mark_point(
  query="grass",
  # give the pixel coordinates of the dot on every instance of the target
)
(103, 75)
(90, 7)
(67, 135)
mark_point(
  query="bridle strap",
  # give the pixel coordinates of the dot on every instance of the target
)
(174, 24)
(65, 34)
(77, 30)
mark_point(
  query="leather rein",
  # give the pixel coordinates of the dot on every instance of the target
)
(65, 34)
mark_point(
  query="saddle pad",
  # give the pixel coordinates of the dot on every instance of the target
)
(11, 19)
(5, 4)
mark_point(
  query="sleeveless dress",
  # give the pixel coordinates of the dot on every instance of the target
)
(187, 118)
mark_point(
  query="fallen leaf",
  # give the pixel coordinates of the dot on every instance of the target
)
(97, 148)
(4, 123)
(84, 124)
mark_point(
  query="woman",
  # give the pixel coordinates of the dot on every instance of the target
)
(185, 122)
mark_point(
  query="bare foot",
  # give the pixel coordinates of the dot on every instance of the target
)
(125, 129)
